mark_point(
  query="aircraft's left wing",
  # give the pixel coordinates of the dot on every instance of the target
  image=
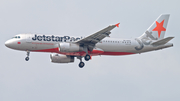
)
(97, 37)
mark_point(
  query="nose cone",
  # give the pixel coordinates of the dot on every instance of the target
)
(7, 43)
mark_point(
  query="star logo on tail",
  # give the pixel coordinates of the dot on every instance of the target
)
(159, 27)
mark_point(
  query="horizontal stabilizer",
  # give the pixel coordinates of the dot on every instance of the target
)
(162, 41)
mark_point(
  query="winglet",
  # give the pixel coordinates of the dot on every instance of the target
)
(117, 25)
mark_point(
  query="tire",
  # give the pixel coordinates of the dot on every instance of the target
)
(27, 58)
(81, 64)
(87, 57)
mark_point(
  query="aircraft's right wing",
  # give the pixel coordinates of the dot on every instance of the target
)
(97, 37)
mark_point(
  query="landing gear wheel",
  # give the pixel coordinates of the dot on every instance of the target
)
(81, 64)
(27, 58)
(87, 57)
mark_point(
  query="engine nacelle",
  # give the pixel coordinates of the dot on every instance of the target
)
(69, 47)
(56, 58)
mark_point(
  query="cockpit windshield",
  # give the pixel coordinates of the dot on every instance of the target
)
(16, 37)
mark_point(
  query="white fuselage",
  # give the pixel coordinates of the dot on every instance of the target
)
(50, 43)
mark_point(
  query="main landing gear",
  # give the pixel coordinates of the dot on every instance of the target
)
(81, 64)
(87, 58)
(27, 58)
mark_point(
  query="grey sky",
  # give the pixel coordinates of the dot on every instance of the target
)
(153, 76)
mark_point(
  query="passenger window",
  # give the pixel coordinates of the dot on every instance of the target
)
(18, 36)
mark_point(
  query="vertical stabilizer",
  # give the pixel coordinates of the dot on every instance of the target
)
(157, 30)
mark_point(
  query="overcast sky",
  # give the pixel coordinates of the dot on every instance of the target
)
(152, 76)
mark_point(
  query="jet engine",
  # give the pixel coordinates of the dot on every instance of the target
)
(56, 58)
(69, 47)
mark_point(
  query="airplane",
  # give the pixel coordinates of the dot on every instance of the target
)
(64, 49)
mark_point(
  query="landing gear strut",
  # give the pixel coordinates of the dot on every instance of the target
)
(81, 64)
(27, 58)
(87, 57)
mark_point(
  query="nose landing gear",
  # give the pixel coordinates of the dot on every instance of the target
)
(27, 58)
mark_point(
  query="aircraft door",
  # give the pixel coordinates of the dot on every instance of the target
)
(30, 44)
(28, 38)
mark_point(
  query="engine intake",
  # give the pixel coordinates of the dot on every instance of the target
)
(56, 58)
(69, 47)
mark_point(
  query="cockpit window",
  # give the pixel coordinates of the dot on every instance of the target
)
(16, 37)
